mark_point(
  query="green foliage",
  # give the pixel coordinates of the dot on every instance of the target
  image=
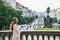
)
(24, 20)
(46, 29)
(19, 13)
(58, 21)
(50, 20)
(54, 20)
(44, 19)
(7, 13)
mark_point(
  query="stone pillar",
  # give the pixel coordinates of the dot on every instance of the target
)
(3, 36)
(42, 37)
(53, 37)
(48, 37)
(32, 37)
(9, 35)
(26, 37)
(37, 37)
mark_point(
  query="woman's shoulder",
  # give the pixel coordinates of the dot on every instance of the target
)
(15, 24)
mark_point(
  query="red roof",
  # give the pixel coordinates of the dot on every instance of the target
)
(18, 4)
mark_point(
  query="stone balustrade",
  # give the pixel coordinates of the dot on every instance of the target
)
(3, 33)
(43, 33)
(32, 33)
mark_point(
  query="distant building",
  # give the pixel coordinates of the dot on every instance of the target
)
(11, 3)
(42, 14)
(19, 6)
(41, 21)
(52, 13)
(58, 13)
(55, 14)
(25, 11)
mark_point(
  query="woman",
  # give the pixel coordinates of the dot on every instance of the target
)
(14, 28)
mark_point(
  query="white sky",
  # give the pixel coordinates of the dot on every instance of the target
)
(40, 5)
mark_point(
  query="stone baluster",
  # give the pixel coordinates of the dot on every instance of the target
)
(53, 37)
(26, 36)
(21, 34)
(9, 35)
(20, 37)
(37, 37)
(48, 37)
(32, 37)
(59, 37)
(42, 37)
(3, 36)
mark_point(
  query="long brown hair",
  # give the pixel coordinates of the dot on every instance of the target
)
(12, 23)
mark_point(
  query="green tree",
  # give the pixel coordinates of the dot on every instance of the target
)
(44, 19)
(54, 20)
(7, 13)
(19, 13)
(24, 20)
(50, 20)
(58, 21)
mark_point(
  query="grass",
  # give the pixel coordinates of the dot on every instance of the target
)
(47, 29)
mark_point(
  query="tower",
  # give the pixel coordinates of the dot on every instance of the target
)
(48, 22)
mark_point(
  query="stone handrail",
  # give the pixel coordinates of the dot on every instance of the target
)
(47, 33)
(3, 33)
